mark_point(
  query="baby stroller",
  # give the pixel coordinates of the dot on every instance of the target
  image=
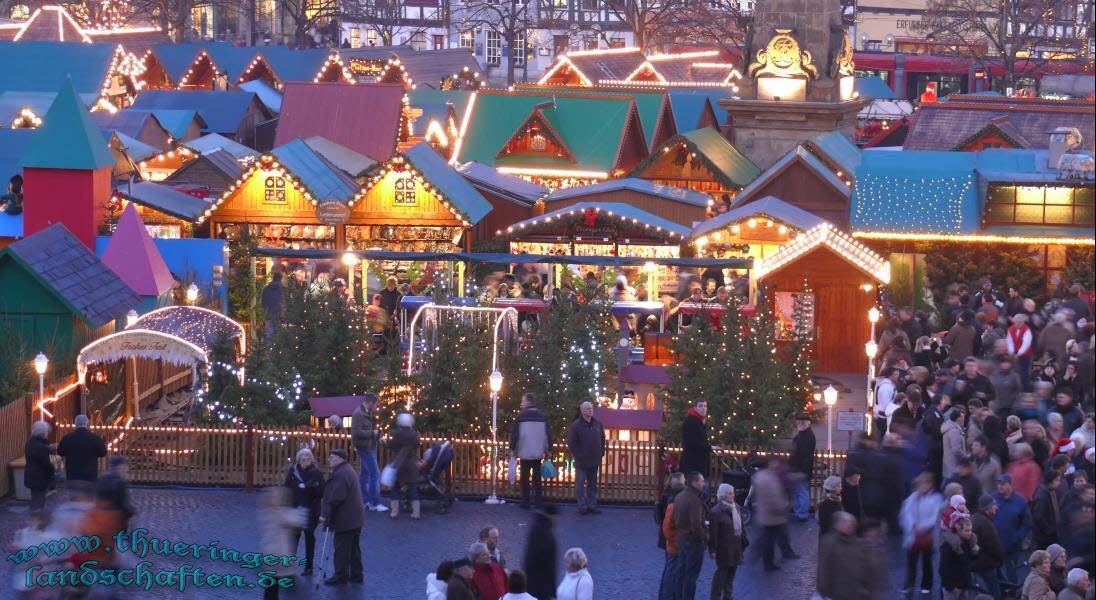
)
(434, 479)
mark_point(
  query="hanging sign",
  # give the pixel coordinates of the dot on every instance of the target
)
(141, 343)
(332, 212)
(359, 66)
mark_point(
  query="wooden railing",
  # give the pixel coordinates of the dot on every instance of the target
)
(222, 456)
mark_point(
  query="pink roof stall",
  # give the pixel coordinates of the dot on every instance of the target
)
(134, 257)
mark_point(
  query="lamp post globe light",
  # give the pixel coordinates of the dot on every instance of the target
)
(131, 318)
(494, 381)
(40, 365)
(192, 293)
(830, 397)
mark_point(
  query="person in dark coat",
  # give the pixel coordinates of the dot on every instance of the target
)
(801, 466)
(991, 553)
(305, 483)
(881, 484)
(958, 549)
(81, 450)
(586, 441)
(541, 555)
(841, 575)
(674, 484)
(342, 512)
(38, 474)
(725, 541)
(851, 500)
(272, 299)
(460, 582)
(829, 505)
(390, 300)
(697, 451)
(403, 446)
(1045, 513)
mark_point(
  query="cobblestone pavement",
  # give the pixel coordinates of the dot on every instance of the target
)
(620, 544)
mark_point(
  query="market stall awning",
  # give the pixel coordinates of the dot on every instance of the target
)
(886, 109)
(501, 258)
(769, 206)
(179, 335)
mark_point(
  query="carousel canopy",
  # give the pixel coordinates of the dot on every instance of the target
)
(181, 335)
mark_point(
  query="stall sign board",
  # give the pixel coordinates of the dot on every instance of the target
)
(332, 212)
(850, 420)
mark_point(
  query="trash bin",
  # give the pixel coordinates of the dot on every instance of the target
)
(16, 467)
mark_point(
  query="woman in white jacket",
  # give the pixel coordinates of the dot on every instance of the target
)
(919, 516)
(577, 584)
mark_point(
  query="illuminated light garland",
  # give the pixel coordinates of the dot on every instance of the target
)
(880, 198)
(335, 60)
(559, 216)
(407, 168)
(553, 172)
(564, 61)
(973, 237)
(62, 15)
(682, 55)
(26, 119)
(826, 235)
(625, 82)
(266, 163)
(463, 128)
(190, 70)
(434, 130)
(649, 67)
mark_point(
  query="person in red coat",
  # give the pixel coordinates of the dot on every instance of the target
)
(1025, 472)
(488, 578)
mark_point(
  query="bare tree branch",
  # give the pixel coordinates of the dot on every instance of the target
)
(509, 18)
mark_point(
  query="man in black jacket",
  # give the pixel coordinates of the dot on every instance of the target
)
(38, 474)
(587, 443)
(697, 452)
(991, 553)
(343, 513)
(82, 450)
(801, 464)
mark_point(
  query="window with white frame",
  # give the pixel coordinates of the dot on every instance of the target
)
(371, 37)
(519, 49)
(418, 40)
(468, 39)
(355, 37)
(494, 48)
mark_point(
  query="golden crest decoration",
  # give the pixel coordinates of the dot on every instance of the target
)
(782, 57)
(843, 62)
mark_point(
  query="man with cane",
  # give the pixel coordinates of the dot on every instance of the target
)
(343, 513)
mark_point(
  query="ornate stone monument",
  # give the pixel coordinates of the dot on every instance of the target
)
(799, 79)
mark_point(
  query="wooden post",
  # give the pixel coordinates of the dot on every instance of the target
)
(249, 459)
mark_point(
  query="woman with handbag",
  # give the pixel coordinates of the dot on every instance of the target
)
(403, 444)
(919, 517)
(305, 484)
(577, 584)
(726, 541)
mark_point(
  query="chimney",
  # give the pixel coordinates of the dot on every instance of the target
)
(1062, 140)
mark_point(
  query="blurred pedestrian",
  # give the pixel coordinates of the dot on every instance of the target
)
(530, 443)
(801, 466)
(1024, 473)
(459, 586)
(1045, 513)
(841, 575)
(670, 583)
(488, 578)
(541, 552)
(304, 481)
(986, 465)
(991, 554)
(726, 542)
(577, 584)
(403, 447)
(114, 485)
(272, 300)
(38, 474)
(830, 504)
(851, 499)
(364, 434)
(692, 534)
(955, 446)
(81, 449)
(438, 582)
(343, 512)
(696, 452)
(1013, 523)
(918, 517)
(771, 510)
(517, 587)
(586, 441)
(279, 521)
(1037, 584)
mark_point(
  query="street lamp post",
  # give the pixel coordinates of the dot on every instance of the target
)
(871, 349)
(351, 260)
(830, 396)
(40, 364)
(131, 317)
(495, 381)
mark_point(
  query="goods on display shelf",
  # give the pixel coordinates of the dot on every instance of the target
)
(404, 238)
(281, 236)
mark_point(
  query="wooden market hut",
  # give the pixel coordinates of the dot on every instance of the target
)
(171, 342)
(165, 211)
(653, 105)
(416, 202)
(701, 160)
(802, 179)
(277, 65)
(354, 164)
(557, 141)
(235, 115)
(131, 254)
(512, 198)
(440, 69)
(675, 204)
(626, 425)
(597, 229)
(96, 71)
(631, 67)
(216, 67)
(325, 407)
(139, 125)
(758, 229)
(209, 173)
(56, 295)
(280, 198)
(843, 276)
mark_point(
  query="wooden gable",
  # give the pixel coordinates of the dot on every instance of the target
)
(260, 69)
(400, 198)
(678, 168)
(798, 184)
(155, 76)
(265, 196)
(646, 72)
(536, 137)
(633, 146)
(202, 74)
(395, 72)
(565, 73)
(991, 137)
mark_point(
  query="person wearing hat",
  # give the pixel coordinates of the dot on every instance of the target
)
(801, 466)
(343, 512)
(1037, 584)
(851, 501)
(991, 554)
(1013, 522)
(460, 582)
(830, 504)
(1058, 569)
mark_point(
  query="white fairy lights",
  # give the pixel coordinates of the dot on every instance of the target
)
(825, 234)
